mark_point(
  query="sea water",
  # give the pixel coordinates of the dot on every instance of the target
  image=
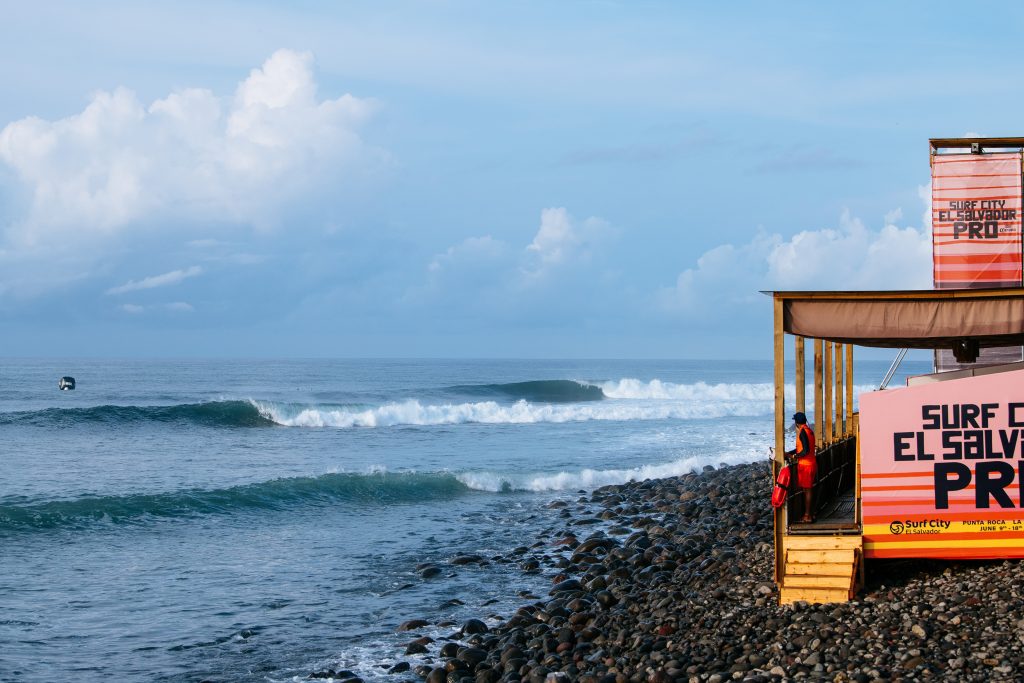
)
(258, 520)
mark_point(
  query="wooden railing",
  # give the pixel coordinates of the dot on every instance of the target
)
(837, 475)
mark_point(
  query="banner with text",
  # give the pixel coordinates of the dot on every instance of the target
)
(976, 221)
(942, 469)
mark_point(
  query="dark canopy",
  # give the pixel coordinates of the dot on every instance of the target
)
(925, 319)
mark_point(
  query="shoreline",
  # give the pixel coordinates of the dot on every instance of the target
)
(671, 580)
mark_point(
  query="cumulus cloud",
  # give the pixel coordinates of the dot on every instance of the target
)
(193, 153)
(498, 275)
(850, 256)
(560, 239)
(163, 280)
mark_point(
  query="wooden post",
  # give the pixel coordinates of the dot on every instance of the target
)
(849, 389)
(840, 426)
(819, 403)
(780, 432)
(798, 361)
(827, 383)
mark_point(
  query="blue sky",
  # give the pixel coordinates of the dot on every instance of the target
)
(578, 179)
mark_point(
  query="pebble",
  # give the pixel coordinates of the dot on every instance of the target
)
(678, 586)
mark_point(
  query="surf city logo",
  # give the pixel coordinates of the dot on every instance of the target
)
(924, 526)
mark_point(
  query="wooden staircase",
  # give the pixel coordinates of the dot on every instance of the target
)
(821, 568)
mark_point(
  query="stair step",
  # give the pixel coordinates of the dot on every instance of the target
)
(841, 556)
(823, 542)
(818, 569)
(843, 582)
(816, 595)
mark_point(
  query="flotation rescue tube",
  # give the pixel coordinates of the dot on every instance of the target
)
(781, 487)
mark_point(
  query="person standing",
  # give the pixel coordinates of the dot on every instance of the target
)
(806, 462)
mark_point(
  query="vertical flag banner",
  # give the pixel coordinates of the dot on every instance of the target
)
(976, 221)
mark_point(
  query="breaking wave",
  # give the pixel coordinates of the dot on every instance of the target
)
(591, 479)
(278, 494)
(375, 487)
(413, 412)
(546, 391)
(212, 413)
(546, 401)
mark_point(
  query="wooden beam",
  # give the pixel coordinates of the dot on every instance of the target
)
(919, 294)
(798, 361)
(827, 382)
(965, 143)
(819, 401)
(849, 389)
(779, 518)
(856, 479)
(839, 426)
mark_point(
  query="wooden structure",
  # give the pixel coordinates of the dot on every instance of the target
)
(823, 561)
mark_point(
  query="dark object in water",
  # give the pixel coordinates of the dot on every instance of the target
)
(66, 383)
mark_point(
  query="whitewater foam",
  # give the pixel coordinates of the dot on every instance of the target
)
(413, 412)
(591, 478)
(656, 389)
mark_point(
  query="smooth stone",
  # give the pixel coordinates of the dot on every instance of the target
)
(412, 625)
(474, 626)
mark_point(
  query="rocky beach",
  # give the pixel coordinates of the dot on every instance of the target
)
(671, 580)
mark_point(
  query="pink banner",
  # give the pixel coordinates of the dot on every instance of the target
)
(976, 221)
(941, 469)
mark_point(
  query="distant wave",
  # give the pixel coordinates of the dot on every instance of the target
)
(213, 413)
(656, 389)
(698, 391)
(279, 494)
(413, 412)
(545, 391)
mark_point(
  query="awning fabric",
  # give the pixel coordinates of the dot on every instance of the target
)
(932, 320)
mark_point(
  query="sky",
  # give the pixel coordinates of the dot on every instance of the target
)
(470, 179)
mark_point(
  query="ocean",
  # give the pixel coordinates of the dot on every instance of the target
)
(256, 520)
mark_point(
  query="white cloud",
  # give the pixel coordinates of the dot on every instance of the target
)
(499, 278)
(163, 280)
(174, 307)
(561, 239)
(119, 162)
(850, 256)
(555, 237)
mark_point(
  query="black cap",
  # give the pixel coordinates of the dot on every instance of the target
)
(800, 418)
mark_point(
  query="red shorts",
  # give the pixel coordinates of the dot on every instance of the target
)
(806, 471)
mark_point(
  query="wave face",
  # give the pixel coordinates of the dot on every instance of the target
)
(213, 414)
(543, 391)
(279, 494)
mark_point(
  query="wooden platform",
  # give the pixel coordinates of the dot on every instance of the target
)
(821, 568)
(835, 516)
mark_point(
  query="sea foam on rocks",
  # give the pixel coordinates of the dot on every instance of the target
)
(686, 593)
